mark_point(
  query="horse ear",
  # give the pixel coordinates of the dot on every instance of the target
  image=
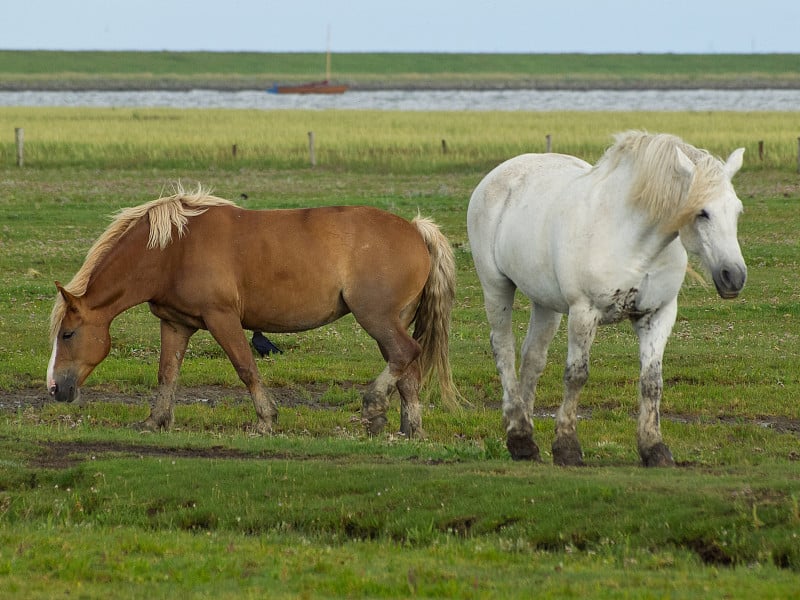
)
(685, 164)
(70, 299)
(734, 162)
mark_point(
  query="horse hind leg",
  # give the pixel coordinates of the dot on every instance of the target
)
(499, 299)
(542, 328)
(402, 370)
(410, 412)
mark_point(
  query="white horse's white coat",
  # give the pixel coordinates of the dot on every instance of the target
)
(600, 244)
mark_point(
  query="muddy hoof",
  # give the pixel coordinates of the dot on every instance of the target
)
(375, 424)
(567, 452)
(657, 456)
(522, 447)
(262, 427)
(149, 425)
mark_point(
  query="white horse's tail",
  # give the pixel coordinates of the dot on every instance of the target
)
(432, 321)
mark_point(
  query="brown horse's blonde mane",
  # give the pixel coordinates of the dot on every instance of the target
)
(164, 214)
(657, 188)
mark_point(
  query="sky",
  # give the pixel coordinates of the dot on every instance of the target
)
(474, 26)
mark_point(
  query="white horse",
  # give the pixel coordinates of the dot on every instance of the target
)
(599, 244)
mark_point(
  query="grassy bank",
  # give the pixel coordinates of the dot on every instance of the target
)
(89, 506)
(363, 141)
(217, 70)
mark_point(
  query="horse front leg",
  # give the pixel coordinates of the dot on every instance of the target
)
(582, 327)
(227, 330)
(653, 331)
(174, 340)
(541, 330)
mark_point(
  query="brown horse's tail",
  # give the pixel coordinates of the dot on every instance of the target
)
(432, 322)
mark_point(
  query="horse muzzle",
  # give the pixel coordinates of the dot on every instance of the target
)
(64, 388)
(729, 280)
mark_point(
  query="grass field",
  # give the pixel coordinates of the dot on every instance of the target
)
(181, 70)
(91, 507)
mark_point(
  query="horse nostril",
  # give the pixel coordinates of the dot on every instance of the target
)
(53, 389)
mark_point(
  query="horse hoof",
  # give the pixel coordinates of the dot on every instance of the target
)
(148, 425)
(262, 427)
(375, 424)
(522, 447)
(657, 456)
(412, 433)
(567, 452)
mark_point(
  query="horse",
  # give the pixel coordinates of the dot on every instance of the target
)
(202, 262)
(600, 244)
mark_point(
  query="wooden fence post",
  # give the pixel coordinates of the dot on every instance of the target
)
(798, 155)
(549, 145)
(311, 154)
(444, 146)
(761, 150)
(19, 138)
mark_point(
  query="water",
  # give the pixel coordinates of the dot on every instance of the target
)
(446, 100)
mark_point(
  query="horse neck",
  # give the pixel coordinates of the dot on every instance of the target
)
(637, 234)
(126, 276)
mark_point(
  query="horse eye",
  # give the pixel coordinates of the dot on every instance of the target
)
(67, 335)
(703, 214)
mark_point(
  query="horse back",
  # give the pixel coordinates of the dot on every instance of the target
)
(295, 269)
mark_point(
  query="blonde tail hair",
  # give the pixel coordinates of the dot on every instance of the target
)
(432, 321)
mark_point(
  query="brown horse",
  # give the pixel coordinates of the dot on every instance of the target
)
(201, 262)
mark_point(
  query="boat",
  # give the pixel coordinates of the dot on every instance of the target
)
(315, 87)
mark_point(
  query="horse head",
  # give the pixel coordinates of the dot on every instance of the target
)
(711, 233)
(81, 342)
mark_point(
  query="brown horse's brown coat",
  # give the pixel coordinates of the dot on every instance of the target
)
(274, 271)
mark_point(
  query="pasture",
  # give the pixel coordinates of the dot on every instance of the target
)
(89, 506)
(252, 70)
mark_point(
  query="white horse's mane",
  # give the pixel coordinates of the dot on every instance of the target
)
(658, 186)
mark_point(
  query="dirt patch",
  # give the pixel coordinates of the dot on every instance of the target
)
(66, 454)
(61, 455)
(310, 395)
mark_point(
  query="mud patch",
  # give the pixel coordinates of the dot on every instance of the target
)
(62, 455)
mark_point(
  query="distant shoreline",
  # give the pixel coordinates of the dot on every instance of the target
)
(135, 85)
(182, 71)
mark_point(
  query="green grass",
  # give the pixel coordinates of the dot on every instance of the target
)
(91, 507)
(257, 70)
(368, 142)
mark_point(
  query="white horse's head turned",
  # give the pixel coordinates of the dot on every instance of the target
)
(688, 191)
(711, 231)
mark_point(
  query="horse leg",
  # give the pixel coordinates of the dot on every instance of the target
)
(653, 331)
(498, 297)
(400, 351)
(174, 340)
(227, 330)
(410, 412)
(375, 402)
(581, 327)
(541, 330)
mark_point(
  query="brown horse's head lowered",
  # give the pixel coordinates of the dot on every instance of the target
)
(201, 262)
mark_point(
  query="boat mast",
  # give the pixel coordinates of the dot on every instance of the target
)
(328, 57)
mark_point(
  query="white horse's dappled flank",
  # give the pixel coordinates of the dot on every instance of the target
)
(599, 243)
